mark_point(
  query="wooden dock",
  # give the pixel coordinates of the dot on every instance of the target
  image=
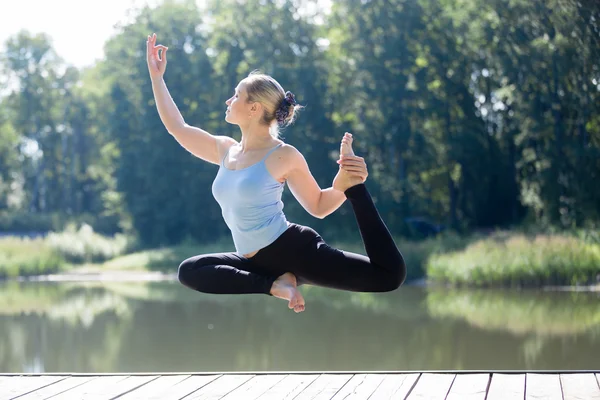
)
(460, 385)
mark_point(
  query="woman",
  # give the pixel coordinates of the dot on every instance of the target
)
(272, 254)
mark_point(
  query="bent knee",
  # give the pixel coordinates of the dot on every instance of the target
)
(397, 277)
(184, 272)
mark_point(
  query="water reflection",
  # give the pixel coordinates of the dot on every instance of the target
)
(520, 312)
(162, 326)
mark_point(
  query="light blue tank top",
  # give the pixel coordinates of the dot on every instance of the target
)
(250, 200)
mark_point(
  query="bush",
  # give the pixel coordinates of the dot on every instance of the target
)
(86, 246)
(517, 260)
(26, 257)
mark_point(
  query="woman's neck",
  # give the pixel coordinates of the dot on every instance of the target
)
(255, 139)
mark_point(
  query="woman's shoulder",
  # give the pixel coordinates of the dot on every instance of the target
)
(290, 156)
(288, 151)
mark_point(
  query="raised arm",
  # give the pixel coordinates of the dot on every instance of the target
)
(195, 140)
(322, 202)
(316, 201)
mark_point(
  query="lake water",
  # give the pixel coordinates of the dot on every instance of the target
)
(163, 327)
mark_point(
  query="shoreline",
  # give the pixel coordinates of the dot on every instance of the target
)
(156, 276)
(109, 276)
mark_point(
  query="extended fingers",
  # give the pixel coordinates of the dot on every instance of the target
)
(150, 45)
(352, 162)
(354, 166)
(359, 171)
(344, 157)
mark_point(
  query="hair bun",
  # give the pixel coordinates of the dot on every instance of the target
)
(283, 112)
(290, 98)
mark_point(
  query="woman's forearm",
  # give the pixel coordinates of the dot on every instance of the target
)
(330, 201)
(167, 109)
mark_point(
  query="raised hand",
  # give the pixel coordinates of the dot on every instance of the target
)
(355, 166)
(352, 170)
(156, 64)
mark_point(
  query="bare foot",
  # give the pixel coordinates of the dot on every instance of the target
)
(343, 180)
(285, 288)
(346, 145)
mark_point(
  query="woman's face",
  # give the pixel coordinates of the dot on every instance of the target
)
(237, 108)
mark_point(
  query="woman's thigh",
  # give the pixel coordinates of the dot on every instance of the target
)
(324, 265)
(224, 273)
(302, 251)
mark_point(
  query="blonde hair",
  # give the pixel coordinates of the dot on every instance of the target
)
(267, 91)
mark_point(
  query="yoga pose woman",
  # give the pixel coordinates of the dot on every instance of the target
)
(274, 256)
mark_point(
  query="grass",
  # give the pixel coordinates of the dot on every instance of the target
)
(503, 259)
(23, 257)
(165, 259)
(57, 251)
(519, 260)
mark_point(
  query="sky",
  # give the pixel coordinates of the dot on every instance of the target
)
(78, 28)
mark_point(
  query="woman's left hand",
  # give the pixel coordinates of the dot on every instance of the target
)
(355, 166)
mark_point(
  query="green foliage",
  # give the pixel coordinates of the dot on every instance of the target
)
(83, 245)
(58, 251)
(28, 222)
(165, 259)
(25, 257)
(517, 260)
(471, 113)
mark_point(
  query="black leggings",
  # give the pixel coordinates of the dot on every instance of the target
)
(302, 251)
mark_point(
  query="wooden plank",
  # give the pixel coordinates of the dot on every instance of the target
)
(254, 387)
(507, 387)
(219, 387)
(432, 387)
(170, 387)
(158, 385)
(163, 387)
(395, 386)
(542, 386)
(324, 387)
(531, 386)
(92, 388)
(359, 387)
(125, 386)
(20, 385)
(469, 387)
(580, 387)
(57, 388)
(289, 387)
